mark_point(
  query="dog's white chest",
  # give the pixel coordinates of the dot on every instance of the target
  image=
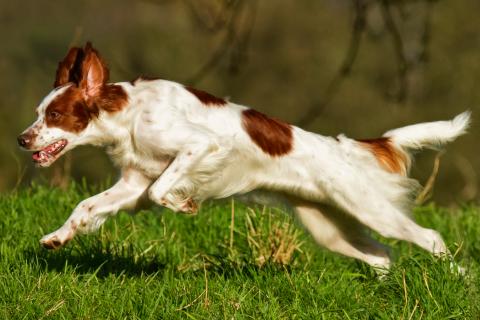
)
(128, 154)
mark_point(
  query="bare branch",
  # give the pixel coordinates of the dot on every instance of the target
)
(236, 39)
(358, 29)
(426, 33)
(215, 22)
(239, 52)
(222, 49)
(402, 63)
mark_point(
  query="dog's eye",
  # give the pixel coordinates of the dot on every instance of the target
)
(54, 115)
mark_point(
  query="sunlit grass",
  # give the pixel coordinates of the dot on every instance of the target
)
(164, 265)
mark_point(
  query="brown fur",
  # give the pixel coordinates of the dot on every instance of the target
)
(75, 112)
(274, 137)
(95, 73)
(69, 68)
(99, 94)
(206, 98)
(112, 98)
(388, 156)
(88, 94)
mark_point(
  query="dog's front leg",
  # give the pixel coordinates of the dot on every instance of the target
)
(90, 214)
(178, 173)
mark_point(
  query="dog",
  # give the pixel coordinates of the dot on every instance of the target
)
(177, 146)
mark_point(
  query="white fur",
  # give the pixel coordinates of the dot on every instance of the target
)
(177, 151)
(430, 135)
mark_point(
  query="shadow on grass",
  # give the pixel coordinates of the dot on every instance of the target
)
(100, 262)
(104, 263)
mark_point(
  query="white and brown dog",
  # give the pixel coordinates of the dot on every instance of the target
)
(179, 146)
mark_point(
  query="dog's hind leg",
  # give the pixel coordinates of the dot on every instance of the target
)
(390, 222)
(341, 233)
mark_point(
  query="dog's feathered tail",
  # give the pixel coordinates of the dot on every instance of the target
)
(394, 150)
(393, 153)
(431, 135)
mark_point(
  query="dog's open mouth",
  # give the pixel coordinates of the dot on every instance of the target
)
(48, 154)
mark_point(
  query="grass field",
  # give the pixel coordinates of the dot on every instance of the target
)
(161, 265)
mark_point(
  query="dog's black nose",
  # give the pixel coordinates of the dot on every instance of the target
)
(24, 140)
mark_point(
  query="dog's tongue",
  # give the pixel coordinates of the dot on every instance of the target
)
(40, 156)
(49, 152)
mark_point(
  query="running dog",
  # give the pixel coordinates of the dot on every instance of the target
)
(179, 146)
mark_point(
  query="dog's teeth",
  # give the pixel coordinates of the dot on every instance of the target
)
(49, 153)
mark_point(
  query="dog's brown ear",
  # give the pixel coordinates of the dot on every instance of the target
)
(94, 73)
(69, 69)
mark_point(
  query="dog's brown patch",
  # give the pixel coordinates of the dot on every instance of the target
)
(207, 98)
(272, 136)
(70, 111)
(388, 156)
(112, 98)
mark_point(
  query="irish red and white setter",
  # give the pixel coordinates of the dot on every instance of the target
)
(179, 146)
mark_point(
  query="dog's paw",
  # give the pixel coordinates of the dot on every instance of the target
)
(190, 206)
(54, 241)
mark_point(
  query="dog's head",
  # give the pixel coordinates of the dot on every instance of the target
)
(80, 94)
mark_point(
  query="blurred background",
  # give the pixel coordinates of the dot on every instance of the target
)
(358, 67)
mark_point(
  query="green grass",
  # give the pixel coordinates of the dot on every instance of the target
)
(164, 265)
